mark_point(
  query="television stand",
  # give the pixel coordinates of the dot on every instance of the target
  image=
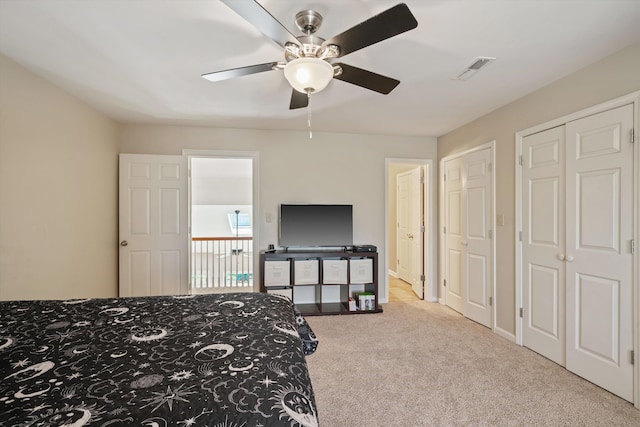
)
(321, 282)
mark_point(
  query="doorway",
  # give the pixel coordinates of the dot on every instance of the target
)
(221, 224)
(410, 226)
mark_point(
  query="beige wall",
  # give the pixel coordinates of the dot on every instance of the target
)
(614, 76)
(58, 192)
(330, 168)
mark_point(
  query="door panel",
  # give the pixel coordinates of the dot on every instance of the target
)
(468, 252)
(153, 225)
(416, 235)
(476, 243)
(599, 260)
(543, 279)
(453, 236)
(404, 224)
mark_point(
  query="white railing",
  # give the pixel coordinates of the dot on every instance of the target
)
(221, 264)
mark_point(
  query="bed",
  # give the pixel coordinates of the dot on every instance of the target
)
(232, 360)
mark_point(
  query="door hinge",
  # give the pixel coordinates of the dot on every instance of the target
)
(521, 312)
(520, 160)
(445, 283)
(422, 180)
(490, 301)
(633, 246)
(422, 278)
(520, 235)
(491, 234)
(444, 230)
(632, 357)
(422, 229)
(633, 135)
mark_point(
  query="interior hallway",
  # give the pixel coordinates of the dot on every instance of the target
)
(400, 291)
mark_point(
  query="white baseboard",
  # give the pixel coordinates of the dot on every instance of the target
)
(504, 334)
(393, 274)
(441, 301)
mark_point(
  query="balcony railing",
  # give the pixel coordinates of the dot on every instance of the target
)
(221, 264)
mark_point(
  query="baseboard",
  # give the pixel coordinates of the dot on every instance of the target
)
(393, 274)
(504, 334)
(441, 301)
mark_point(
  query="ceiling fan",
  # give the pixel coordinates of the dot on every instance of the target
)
(308, 65)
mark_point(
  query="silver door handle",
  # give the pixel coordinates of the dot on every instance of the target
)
(569, 258)
(124, 243)
(561, 257)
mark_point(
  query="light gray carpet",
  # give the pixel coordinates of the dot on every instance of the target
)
(422, 364)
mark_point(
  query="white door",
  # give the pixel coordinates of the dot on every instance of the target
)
(454, 219)
(153, 225)
(404, 225)
(543, 243)
(599, 263)
(410, 240)
(476, 230)
(416, 235)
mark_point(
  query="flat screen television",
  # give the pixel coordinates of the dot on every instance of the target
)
(315, 225)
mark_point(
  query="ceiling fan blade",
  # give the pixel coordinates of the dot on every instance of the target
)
(298, 100)
(367, 79)
(217, 76)
(387, 24)
(255, 14)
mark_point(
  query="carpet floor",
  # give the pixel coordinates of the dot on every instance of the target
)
(423, 364)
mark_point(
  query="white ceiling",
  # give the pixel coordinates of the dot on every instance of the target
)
(141, 60)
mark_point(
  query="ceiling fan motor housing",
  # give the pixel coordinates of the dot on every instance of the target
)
(308, 21)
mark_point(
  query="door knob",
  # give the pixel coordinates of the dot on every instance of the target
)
(561, 257)
(465, 244)
(124, 243)
(569, 258)
(410, 236)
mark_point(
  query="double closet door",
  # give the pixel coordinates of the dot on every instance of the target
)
(468, 249)
(577, 200)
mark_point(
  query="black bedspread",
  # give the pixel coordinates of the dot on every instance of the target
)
(232, 360)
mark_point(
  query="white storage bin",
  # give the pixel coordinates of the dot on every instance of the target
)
(305, 272)
(276, 273)
(334, 271)
(361, 270)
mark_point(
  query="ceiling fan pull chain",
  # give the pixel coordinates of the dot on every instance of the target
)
(309, 113)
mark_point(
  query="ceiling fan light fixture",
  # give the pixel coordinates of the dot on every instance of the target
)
(308, 74)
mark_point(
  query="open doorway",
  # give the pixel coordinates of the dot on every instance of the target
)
(221, 224)
(410, 232)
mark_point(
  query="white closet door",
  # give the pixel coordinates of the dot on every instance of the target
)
(476, 207)
(454, 222)
(543, 272)
(153, 225)
(599, 267)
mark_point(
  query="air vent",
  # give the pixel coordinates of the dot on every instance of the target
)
(477, 64)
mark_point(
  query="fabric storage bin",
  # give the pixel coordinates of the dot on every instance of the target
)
(361, 270)
(305, 272)
(277, 273)
(334, 271)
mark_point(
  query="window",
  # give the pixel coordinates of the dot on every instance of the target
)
(240, 223)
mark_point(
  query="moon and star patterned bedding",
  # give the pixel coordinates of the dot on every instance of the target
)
(224, 360)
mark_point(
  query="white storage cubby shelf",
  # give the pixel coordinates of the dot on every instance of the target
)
(321, 282)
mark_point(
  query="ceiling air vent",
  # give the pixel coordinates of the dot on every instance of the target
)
(476, 65)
